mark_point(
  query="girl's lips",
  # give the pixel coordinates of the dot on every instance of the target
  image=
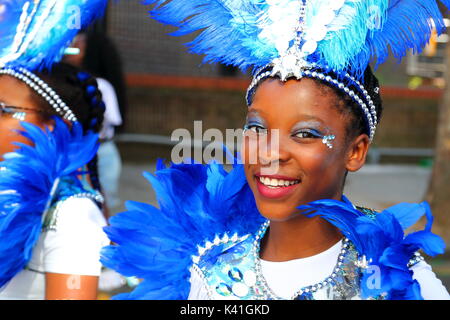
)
(275, 192)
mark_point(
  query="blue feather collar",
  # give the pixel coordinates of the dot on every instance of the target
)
(381, 241)
(199, 202)
(28, 179)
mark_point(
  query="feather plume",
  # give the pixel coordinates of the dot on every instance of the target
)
(344, 35)
(382, 241)
(196, 202)
(34, 34)
(27, 177)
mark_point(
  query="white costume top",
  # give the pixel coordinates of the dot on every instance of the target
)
(285, 278)
(112, 117)
(71, 246)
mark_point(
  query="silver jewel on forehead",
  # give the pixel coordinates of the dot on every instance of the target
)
(327, 140)
(292, 62)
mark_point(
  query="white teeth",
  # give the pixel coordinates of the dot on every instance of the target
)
(277, 182)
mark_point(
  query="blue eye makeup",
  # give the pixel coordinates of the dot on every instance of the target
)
(308, 129)
(308, 133)
(313, 130)
(304, 131)
(255, 125)
(256, 128)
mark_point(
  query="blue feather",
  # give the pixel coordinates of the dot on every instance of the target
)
(408, 25)
(381, 239)
(229, 31)
(26, 181)
(362, 30)
(157, 244)
(339, 213)
(51, 29)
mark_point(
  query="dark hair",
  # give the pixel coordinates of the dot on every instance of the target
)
(349, 108)
(102, 59)
(80, 92)
(358, 123)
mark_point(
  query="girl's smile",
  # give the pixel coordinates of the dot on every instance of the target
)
(276, 186)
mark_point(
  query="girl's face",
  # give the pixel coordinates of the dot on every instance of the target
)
(16, 94)
(291, 119)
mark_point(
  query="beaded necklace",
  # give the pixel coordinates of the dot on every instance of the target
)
(305, 292)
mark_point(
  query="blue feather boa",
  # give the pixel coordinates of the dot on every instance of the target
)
(198, 202)
(27, 178)
(382, 241)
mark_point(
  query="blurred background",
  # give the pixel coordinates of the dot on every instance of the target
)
(160, 87)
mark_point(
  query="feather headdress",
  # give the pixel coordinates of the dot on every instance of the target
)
(341, 34)
(35, 33)
(330, 40)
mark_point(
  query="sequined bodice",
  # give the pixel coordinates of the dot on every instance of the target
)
(228, 272)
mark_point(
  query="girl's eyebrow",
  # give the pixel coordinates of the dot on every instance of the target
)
(256, 111)
(308, 117)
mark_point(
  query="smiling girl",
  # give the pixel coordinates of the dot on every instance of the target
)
(278, 226)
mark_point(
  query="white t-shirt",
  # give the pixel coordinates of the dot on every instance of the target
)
(287, 277)
(72, 248)
(112, 117)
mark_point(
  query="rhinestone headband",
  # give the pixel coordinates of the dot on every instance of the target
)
(42, 89)
(367, 105)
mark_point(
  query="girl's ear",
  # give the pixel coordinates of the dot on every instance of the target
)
(357, 153)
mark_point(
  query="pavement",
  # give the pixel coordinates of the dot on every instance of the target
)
(374, 186)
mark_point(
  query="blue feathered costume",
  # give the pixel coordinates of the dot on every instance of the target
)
(36, 177)
(207, 222)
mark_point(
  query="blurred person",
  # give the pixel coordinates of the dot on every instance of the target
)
(51, 219)
(278, 226)
(98, 55)
(109, 160)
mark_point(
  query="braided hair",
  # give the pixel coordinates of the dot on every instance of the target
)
(345, 104)
(80, 92)
(349, 107)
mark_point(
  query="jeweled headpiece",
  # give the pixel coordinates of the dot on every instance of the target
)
(329, 40)
(34, 35)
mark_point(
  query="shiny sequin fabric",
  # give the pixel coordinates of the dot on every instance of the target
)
(227, 268)
(228, 271)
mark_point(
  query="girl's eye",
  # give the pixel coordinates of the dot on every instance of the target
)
(255, 129)
(6, 110)
(305, 134)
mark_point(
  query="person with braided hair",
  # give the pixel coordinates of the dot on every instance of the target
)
(96, 63)
(50, 201)
(64, 262)
(278, 225)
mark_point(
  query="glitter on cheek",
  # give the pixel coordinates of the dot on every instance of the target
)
(327, 140)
